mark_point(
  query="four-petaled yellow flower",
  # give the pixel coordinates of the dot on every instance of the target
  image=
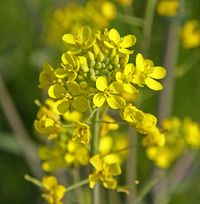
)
(53, 191)
(121, 44)
(127, 78)
(109, 93)
(104, 172)
(70, 97)
(146, 72)
(81, 42)
(81, 133)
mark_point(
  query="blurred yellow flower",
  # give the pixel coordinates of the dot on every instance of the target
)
(168, 7)
(190, 34)
(53, 191)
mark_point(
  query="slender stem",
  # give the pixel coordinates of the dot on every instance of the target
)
(77, 185)
(148, 24)
(132, 20)
(33, 180)
(95, 145)
(27, 146)
(189, 63)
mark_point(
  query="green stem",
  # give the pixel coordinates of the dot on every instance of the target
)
(33, 180)
(95, 144)
(132, 20)
(95, 140)
(148, 24)
(77, 185)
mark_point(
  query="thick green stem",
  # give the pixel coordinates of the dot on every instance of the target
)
(95, 139)
(95, 144)
(166, 99)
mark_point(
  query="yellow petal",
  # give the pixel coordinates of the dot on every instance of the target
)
(49, 182)
(59, 192)
(96, 161)
(101, 83)
(56, 91)
(153, 84)
(158, 72)
(125, 51)
(69, 39)
(62, 106)
(114, 36)
(116, 87)
(129, 69)
(119, 77)
(128, 41)
(114, 169)
(110, 183)
(80, 103)
(140, 62)
(93, 180)
(61, 73)
(74, 88)
(130, 88)
(99, 99)
(115, 102)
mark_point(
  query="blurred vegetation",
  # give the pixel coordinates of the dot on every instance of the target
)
(21, 57)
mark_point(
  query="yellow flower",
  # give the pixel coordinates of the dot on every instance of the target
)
(104, 172)
(146, 72)
(53, 191)
(81, 42)
(47, 76)
(154, 137)
(108, 10)
(110, 94)
(63, 154)
(168, 7)
(191, 130)
(48, 126)
(81, 133)
(191, 34)
(127, 78)
(68, 98)
(121, 44)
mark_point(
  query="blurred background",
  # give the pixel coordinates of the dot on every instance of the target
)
(24, 48)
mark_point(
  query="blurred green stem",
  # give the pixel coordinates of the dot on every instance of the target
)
(131, 20)
(27, 146)
(95, 145)
(131, 166)
(147, 27)
(161, 190)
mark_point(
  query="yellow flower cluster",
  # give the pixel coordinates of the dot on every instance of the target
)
(191, 34)
(63, 153)
(94, 75)
(181, 135)
(168, 7)
(96, 14)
